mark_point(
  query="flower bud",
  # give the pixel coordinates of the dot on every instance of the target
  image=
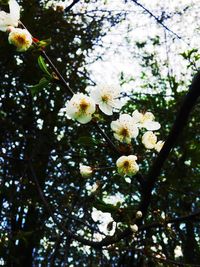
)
(138, 214)
(134, 228)
(85, 171)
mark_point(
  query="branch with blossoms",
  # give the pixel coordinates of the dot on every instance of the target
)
(104, 101)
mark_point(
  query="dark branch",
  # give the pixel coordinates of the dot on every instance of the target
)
(107, 138)
(181, 219)
(71, 5)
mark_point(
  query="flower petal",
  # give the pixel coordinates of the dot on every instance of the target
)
(115, 125)
(149, 140)
(14, 11)
(84, 119)
(137, 116)
(159, 145)
(105, 108)
(151, 125)
(96, 95)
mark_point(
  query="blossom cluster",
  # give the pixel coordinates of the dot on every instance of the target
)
(81, 108)
(21, 38)
(127, 127)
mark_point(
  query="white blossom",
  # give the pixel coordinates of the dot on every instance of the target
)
(85, 171)
(145, 120)
(107, 98)
(124, 128)
(127, 165)
(20, 38)
(10, 19)
(80, 107)
(158, 146)
(149, 140)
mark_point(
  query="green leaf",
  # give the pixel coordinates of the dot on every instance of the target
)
(104, 207)
(188, 54)
(35, 89)
(43, 43)
(43, 66)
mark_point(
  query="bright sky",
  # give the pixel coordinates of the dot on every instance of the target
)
(119, 46)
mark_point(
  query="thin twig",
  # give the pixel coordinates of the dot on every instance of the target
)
(61, 78)
(107, 138)
(81, 222)
(158, 20)
(172, 221)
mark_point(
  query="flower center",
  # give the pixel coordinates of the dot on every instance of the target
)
(105, 98)
(20, 39)
(124, 132)
(83, 105)
(126, 164)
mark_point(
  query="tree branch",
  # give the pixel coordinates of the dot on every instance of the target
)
(181, 120)
(53, 67)
(173, 221)
(71, 5)
(107, 138)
